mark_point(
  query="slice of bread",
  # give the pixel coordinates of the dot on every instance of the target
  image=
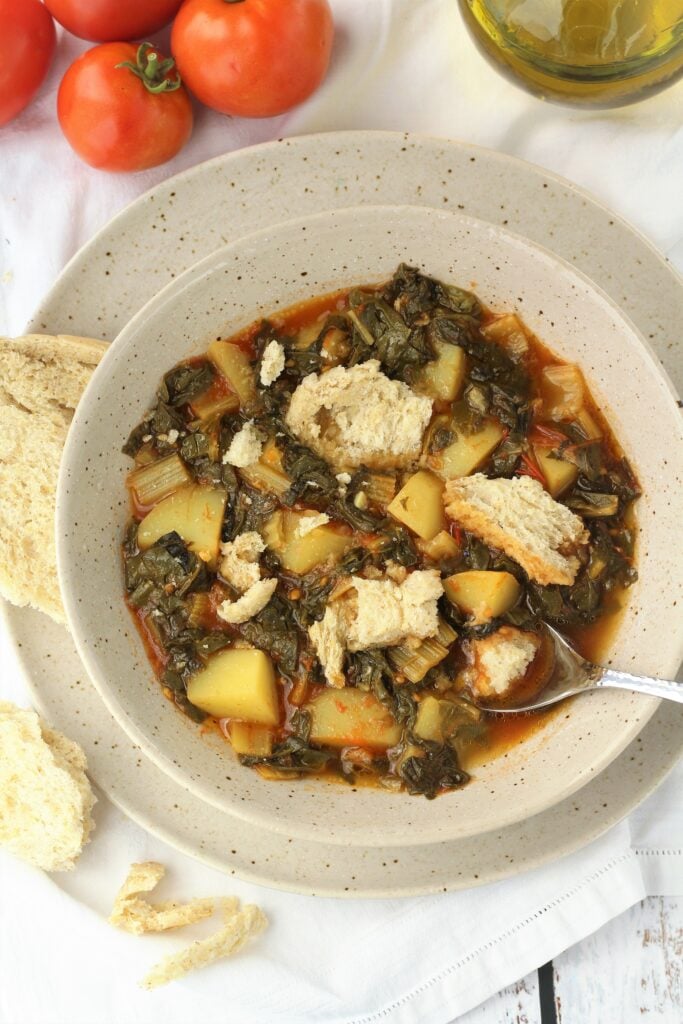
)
(520, 518)
(45, 797)
(41, 380)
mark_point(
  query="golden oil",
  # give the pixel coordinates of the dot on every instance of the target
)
(599, 52)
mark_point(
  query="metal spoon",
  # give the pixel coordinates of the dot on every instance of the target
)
(572, 674)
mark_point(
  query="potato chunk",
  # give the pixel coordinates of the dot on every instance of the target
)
(299, 554)
(443, 377)
(559, 474)
(342, 718)
(195, 512)
(233, 364)
(419, 505)
(509, 332)
(237, 684)
(482, 594)
(468, 451)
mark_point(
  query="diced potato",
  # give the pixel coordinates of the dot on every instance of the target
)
(468, 451)
(247, 738)
(195, 512)
(158, 479)
(342, 718)
(301, 554)
(233, 363)
(563, 391)
(508, 331)
(482, 594)
(439, 548)
(443, 377)
(419, 504)
(237, 684)
(559, 474)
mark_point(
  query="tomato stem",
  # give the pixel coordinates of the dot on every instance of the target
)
(151, 71)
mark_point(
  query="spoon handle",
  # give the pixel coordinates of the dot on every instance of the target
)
(666, 688)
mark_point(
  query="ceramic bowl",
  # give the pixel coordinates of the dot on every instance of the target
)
(269, 271)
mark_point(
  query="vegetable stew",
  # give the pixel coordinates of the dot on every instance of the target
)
(296, 578)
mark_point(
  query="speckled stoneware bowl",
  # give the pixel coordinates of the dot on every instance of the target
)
(269, 271)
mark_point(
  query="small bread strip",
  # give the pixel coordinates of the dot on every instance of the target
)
(520, 518)
(134, 914)
(239, 927)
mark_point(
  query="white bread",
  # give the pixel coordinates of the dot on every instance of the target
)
(45, 796)
(272, 363)
(359, 416)
(500, 661)
(240, 560)
(239, 926)
(253, 601)
(41, 380)
(520, 518)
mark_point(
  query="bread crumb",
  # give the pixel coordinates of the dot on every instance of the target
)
(309, 523)
(45, 797)
(359, 416)
(172, 436)
(240, 562)
(246, 447)
(239, 926)
(134, 914)
(272, 363)
(520, 518)
(251, 603)
(501, 660)
(328, 637)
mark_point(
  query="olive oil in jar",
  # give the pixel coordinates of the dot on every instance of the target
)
(599, 52)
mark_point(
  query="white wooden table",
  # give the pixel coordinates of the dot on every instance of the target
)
(631, 970)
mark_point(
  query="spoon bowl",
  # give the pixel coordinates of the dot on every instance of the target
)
(572, 674)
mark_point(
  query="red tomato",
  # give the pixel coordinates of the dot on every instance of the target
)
(124, 118)
(252, 58)
(27, 43)
(105, 21)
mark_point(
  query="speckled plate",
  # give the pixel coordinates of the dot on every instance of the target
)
(209, 206)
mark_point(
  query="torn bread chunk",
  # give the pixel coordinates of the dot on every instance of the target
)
(328, 637)
(272, 363)
(45, 797)
(239, 926)
(375, 613)
(359, 416)
(246, 447)
(133, 913)
(307, 523)
(240, 562)
(520, 518)
(500, 661)
(251, 603)
(388, 612)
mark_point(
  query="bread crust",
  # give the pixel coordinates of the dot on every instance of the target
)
(551, 564)
(41, 380)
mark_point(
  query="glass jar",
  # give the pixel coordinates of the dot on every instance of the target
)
(600, 52)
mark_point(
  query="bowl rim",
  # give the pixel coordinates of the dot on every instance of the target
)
(196, 272)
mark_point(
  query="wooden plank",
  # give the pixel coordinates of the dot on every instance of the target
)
(516, 1004)
(630, 970)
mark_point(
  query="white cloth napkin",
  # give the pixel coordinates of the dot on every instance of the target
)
(402, 64)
